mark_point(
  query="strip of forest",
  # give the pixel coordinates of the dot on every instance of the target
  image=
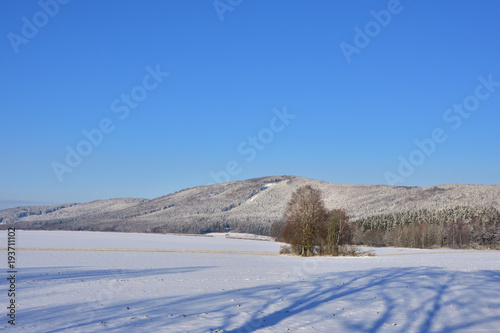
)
(459, 227)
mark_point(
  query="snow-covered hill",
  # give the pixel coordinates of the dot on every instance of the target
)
(247, 206)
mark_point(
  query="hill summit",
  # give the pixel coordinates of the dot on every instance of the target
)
(245, 206)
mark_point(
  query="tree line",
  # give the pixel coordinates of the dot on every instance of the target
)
(311, 229)
(459, 227)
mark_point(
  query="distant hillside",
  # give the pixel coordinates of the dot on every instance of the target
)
(246, 206)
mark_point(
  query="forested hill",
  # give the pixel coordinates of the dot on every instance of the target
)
(246, 206)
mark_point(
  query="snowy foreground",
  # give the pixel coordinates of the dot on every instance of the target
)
(96, 282)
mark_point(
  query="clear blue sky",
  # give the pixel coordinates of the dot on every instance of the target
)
(69, 69)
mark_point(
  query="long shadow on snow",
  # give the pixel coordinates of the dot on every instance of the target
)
(429, 292)
(417, 299)
(92, 314)
(83, 274)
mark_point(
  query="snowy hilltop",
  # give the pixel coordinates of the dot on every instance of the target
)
(243, 206)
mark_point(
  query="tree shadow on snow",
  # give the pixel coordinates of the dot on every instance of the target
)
(419, 299)
(82, 274)
(416, 299)
(91, 307)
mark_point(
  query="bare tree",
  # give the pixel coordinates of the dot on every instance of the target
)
(338, 231)
(304, 216)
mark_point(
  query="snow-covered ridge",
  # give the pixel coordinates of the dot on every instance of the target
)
(250, 206)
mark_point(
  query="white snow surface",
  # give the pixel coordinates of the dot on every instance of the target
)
(130, 285)
(109, 240)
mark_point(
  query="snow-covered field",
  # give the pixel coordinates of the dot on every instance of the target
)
(93, 282)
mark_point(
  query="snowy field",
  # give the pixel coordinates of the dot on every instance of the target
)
(110, 282)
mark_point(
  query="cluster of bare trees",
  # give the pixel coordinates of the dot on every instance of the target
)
(310, 228)
(461, 227)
